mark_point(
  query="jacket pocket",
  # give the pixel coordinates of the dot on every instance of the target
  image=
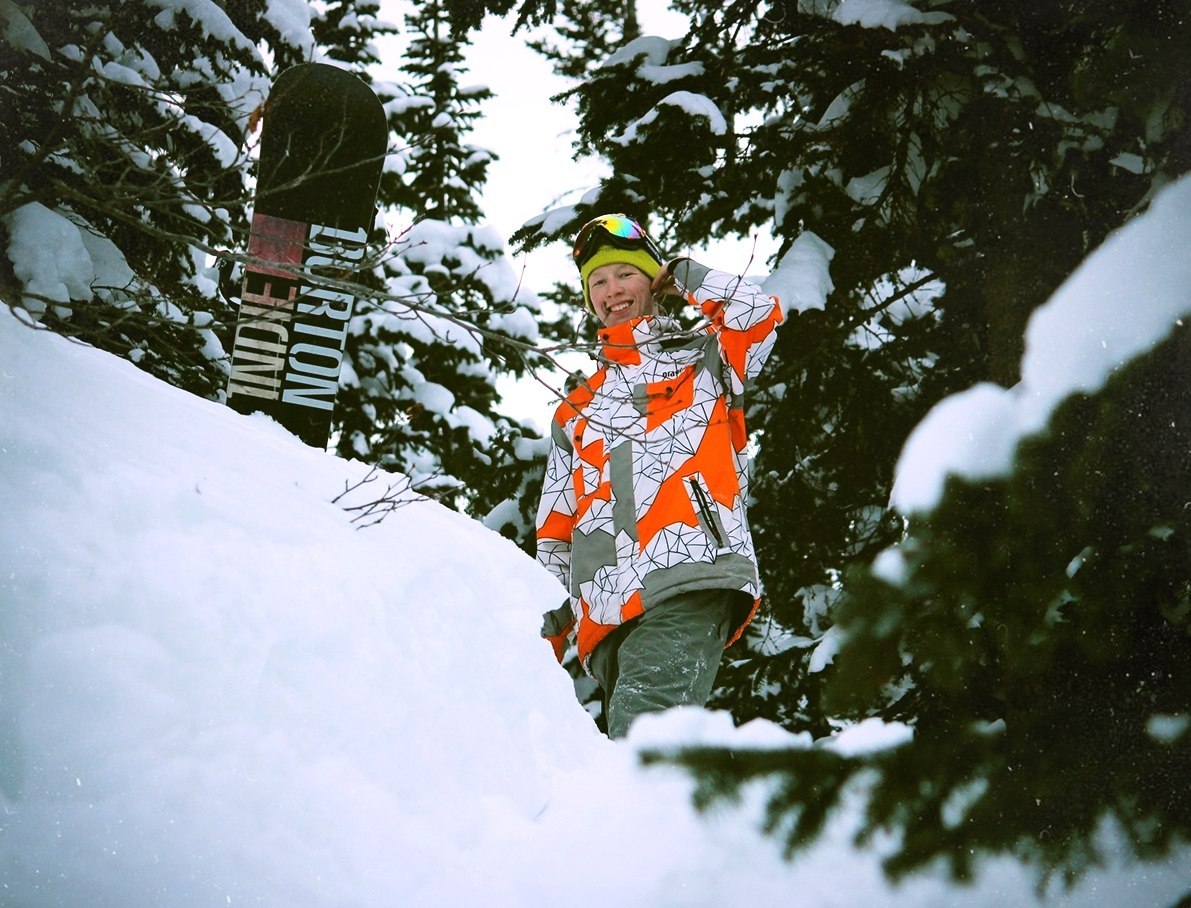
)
(709, 518)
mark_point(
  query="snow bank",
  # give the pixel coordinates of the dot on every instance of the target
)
(216, 691)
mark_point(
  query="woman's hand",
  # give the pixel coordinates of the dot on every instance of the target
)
(663, 283)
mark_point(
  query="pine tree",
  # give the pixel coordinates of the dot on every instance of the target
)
(1035, 640)
(959, 165)
(421, 395)
(960, 161)
(129, 129)
(588, 32)
(125, 134)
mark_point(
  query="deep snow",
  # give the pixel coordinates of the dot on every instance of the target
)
(216, 690)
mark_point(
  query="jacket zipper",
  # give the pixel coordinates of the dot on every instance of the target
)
(705, 510)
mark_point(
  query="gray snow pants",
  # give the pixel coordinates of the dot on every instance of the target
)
(667, 657)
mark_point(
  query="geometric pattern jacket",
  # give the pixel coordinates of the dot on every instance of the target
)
(647, 478)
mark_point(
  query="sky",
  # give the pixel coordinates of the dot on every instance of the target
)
(220, 690)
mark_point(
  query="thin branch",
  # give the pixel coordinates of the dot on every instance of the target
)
(398, 494)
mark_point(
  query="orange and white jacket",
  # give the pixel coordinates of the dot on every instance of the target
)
(647, 478)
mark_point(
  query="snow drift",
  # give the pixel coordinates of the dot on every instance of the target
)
(216, 690)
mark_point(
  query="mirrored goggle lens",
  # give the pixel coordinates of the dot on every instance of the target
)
(624, 228)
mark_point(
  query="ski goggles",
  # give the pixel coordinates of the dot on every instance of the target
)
(618, 230)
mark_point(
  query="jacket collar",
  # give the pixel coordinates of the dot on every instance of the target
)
(625, 344)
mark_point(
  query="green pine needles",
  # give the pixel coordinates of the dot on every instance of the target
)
(1037, 645)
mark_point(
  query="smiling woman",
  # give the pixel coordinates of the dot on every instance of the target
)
(642, 511)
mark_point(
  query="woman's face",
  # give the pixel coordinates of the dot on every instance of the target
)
(620, 292)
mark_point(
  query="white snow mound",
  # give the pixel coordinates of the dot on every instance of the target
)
(214, 690)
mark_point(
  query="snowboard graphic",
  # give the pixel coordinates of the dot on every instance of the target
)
(322, 149)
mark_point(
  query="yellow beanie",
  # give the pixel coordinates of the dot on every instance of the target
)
(607, 254)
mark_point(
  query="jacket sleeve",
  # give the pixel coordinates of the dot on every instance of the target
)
(745, 317)
(555, 526)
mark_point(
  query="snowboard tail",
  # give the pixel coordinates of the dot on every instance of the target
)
(322, 150)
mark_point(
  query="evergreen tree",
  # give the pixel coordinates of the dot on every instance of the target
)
(589, 31)
(960, 165)
(1034, 636)
(960, 159)
(125, 130)
(421, 393)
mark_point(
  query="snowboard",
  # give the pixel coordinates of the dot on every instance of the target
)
(322, 148)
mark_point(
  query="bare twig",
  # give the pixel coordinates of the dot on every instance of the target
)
(398, 494)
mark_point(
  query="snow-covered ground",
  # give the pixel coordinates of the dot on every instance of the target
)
(216, 690)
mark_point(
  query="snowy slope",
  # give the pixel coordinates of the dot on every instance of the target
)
(214, 690)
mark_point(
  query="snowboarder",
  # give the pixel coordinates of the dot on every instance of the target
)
(642, 514)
